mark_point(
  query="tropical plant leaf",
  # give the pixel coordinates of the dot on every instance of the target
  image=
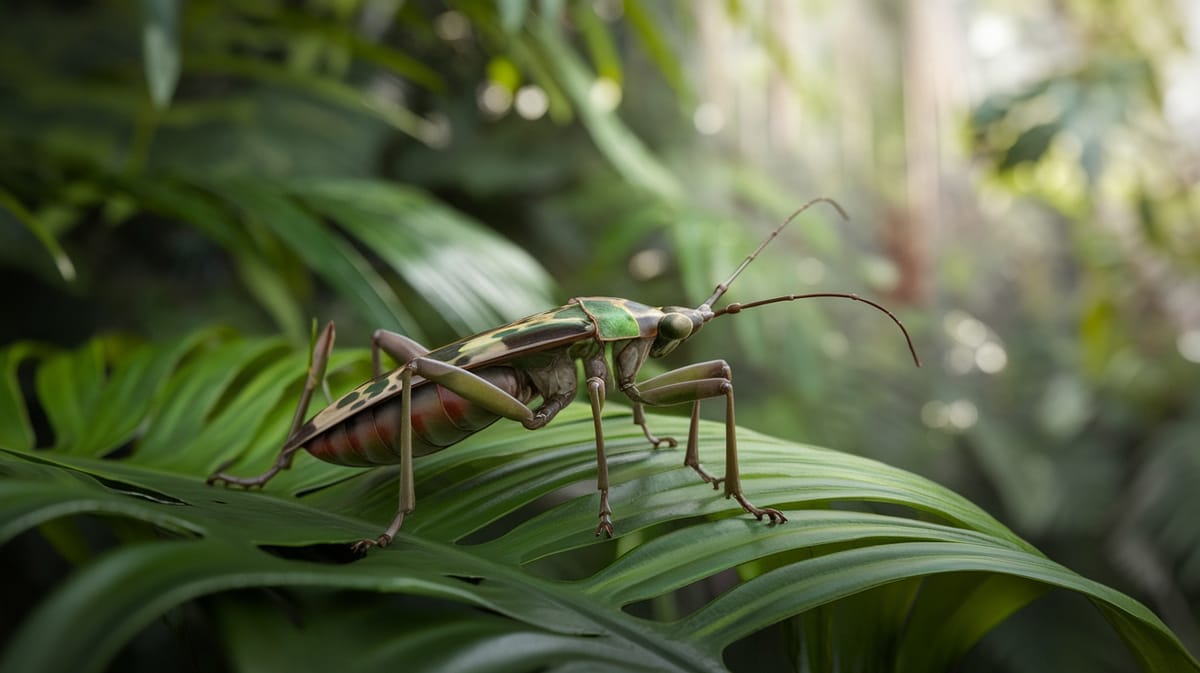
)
(619, 145)
(160, 48)
(471, 276)
(66, 268)
(495, 515)
(291, 24)
(325, 88)
(15, 429)
(262, 271)
(328, 254)
(650, 32)
(512, 14)
(438, 640)
(600, 43)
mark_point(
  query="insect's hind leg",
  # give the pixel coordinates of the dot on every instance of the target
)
(401, 349)
(469, 386)
(316, 375)
(408, 491)
(692, 384)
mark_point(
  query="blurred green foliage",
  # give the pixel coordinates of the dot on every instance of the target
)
(1022, 184)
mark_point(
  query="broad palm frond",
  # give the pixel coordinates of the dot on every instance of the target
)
(137, 427)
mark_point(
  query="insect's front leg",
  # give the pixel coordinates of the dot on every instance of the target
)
(316, 376)
(692, 384)
(628, 359)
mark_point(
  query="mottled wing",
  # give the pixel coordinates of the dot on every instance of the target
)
(370, 393)
(529, 335)
(539, 332)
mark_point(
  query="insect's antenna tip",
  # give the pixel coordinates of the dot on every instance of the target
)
(903, 330)
(735, 307)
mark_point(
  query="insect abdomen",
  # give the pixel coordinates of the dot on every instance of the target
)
(440, 418)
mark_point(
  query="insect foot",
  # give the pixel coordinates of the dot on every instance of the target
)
(361, 547)
(774, 515)
(229, 480)
(655, 442)
(539, 420)
(705, 476)
(219, 476)
(639, 419)
(605, 525)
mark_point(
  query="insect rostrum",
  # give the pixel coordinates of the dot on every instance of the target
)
(436, 398)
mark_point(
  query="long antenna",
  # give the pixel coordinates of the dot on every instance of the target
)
(721, 288)
(737, 308)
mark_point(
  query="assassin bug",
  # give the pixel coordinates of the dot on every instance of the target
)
(437, 398)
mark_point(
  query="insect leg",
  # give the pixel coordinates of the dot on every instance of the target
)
(408, 491)
(470, 387)
(596, 369)
(715, 369)
(639, 419)
(473, 388)
(692, 384)
(399, 347)
(691, 457)
(595, 388)
(733, 481)
(316, 374)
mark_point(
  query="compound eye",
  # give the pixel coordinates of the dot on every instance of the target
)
(675, 326)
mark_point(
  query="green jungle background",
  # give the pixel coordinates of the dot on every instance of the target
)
(186, 186)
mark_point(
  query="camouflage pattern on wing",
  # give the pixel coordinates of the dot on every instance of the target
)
(543, 331)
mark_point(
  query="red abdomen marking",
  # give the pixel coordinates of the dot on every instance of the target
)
(440, 418)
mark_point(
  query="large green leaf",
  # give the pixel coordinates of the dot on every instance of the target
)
(500, 545)
(628, 155)
(337, 228)
(472, 277)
